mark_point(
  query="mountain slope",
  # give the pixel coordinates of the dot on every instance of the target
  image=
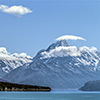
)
(8, 61)
(60, 66)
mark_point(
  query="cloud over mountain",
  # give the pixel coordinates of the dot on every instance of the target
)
(63, 51)
(5, 55)
(15, 10)
(70, 37)
(9, 61)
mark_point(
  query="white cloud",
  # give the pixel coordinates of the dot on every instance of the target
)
(5, 55)
(67, 51)
(70, 37)
(3, 50)
(61, 52)
(21, 55)
(15, 10)
(85, 48)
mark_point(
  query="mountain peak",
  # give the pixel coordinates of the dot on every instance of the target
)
(58, 44)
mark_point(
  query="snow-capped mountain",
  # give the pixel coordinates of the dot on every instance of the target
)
(8, 61)
(60, 66)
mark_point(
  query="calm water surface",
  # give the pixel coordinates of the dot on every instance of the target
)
(53, 95)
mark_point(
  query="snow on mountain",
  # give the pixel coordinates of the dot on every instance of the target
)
(60, 66)
(8, 61)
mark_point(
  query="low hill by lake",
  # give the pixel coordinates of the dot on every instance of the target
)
(91, 86)
(6, 86)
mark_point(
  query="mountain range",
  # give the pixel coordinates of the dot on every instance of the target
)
(61, 66)
(9, 62)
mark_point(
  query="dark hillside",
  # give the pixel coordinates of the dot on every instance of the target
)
(5, 86)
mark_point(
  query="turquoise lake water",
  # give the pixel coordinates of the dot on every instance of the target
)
(53, 95)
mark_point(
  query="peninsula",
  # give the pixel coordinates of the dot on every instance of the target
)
(6, 86)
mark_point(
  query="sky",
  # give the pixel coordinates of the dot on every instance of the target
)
(48, 20)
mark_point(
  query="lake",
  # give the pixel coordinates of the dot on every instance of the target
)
(53, 95)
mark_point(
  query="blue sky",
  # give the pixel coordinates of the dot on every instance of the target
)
(49, 20)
